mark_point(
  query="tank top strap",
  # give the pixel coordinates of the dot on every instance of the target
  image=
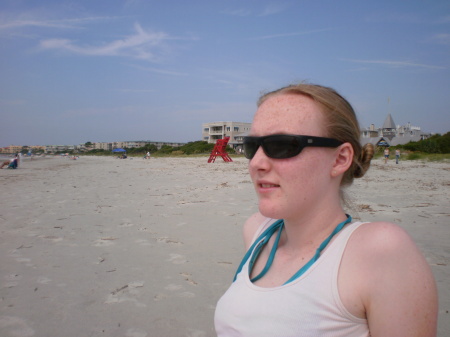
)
(262, 227)
(266, 229)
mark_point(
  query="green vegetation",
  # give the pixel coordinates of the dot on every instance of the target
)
(427, 156)
(434, 144)
(435, 148)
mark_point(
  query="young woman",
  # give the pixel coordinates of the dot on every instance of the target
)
(315, 272)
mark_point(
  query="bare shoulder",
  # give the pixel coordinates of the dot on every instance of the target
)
(392, 280)
(385, 248)
(379, 237)
(251, 226)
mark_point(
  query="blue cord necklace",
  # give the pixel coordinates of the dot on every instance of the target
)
(264, 238)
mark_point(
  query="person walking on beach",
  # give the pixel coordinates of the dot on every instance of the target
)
(310, 270)
(397, 155)
(386, 154)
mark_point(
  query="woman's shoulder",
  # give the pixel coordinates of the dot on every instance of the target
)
(252, 226)
(385, 275)
(382, 237)
(386, 250)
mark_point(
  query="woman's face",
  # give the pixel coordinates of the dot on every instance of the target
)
(289, 187)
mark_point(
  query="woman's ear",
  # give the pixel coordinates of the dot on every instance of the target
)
(343, 159)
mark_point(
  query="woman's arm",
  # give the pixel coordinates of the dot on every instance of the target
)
(396, 288)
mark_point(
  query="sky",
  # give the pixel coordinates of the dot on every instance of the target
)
(110, 70)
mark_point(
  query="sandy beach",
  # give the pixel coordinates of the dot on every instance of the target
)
(109, 247)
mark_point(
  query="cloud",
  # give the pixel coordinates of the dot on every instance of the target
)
(270, 9)
(396, 64)
(140, 45)
(135, 90)
(238, 12)
(62, 24)
(442, 38)
(159, 71)
(443, 20)
(274, 8)
(402, 18)
(275, 36)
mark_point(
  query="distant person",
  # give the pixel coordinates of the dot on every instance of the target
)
(386, 154)
(148, 155)
(12, 163)
(310, 270)
(397, 155)
(6, 163)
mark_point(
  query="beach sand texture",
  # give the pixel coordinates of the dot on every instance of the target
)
(109, 247)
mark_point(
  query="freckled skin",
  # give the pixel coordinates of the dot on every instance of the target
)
(304, 178)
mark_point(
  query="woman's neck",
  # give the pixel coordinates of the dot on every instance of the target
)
(308, 231)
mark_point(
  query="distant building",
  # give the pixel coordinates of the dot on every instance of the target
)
(18, 148)
(211, 132)
(132, 144)
(390, 134)
(61, 148)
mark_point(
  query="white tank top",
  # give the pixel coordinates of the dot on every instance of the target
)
(308, 306)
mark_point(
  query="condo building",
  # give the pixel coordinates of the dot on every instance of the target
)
(211, 132)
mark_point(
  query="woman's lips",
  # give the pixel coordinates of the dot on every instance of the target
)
(265, 185)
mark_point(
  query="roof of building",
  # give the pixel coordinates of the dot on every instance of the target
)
(391, 142)
(389, 122)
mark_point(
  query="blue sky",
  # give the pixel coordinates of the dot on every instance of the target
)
(110, 70)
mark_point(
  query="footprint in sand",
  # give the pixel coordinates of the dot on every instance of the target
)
(15, 326)
(143, 242)
(133, 332)
(103, 242)
(188, 278)
(186, 294)
(126, 293)
(11, 280)
(169, 240)
(43, 280)
(173, 287)
(25, 260)
(196, 333)
(177, 259)
(159, 297)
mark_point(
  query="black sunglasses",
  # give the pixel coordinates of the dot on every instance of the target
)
(284, 146)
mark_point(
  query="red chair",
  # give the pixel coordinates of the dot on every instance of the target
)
(220, 149)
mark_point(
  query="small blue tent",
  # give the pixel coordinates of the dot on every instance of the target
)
(119, 150)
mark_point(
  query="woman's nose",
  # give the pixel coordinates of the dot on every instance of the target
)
(259, 161)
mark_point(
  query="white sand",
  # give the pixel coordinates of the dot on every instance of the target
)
(109, 247)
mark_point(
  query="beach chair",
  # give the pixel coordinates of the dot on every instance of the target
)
(220, 149)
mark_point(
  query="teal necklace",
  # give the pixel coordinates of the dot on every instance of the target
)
(264, 238)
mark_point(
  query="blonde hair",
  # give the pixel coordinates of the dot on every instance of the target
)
(342, 123)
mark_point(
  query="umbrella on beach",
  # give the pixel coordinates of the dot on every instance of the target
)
(119, 150)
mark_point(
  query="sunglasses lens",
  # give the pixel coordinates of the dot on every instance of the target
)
(250, 148)
(282, 146)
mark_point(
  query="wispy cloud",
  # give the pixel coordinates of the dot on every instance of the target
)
(238, 12)
(403, 18)
(73, 23)
(134, 90)
(276, 36)
(443, 20)
(270, 9)
(442, 39)
(159, 71)
(396, 64)
(274, 8)
(141, 45)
